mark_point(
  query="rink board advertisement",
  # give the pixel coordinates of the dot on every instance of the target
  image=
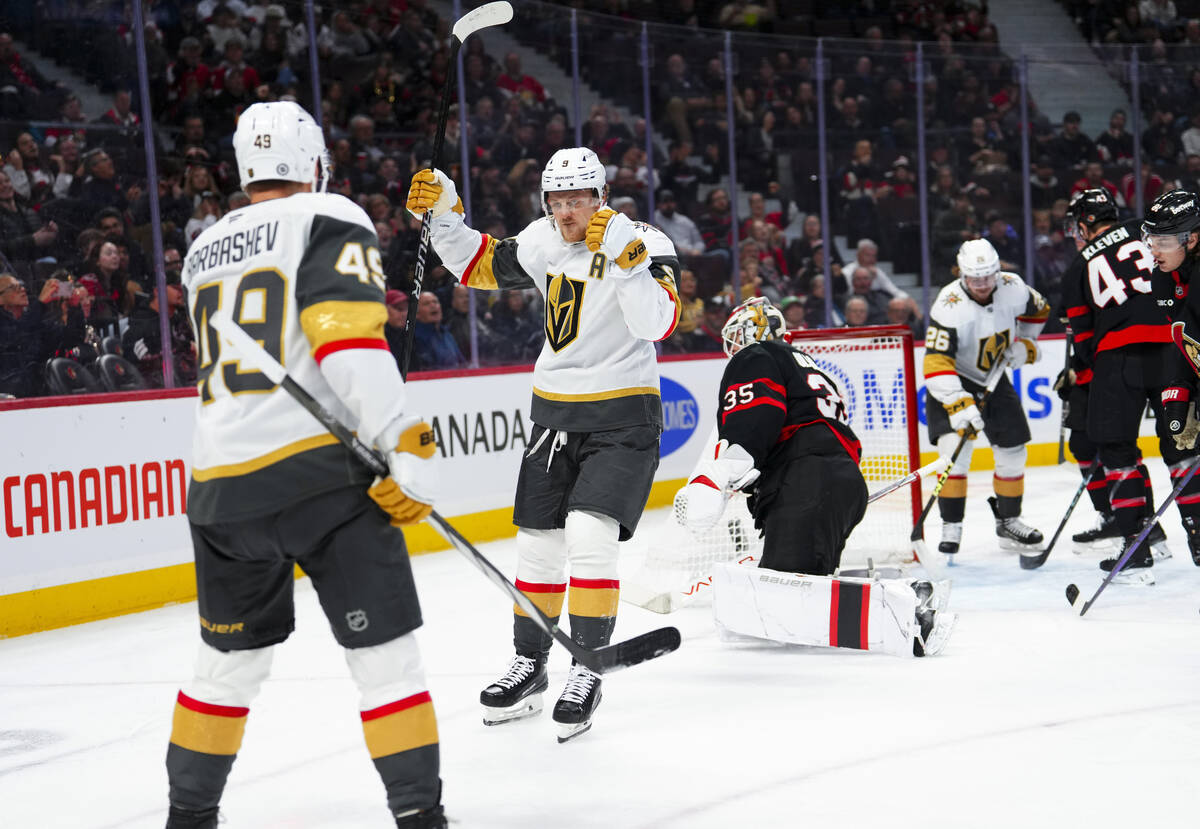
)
(93, 494)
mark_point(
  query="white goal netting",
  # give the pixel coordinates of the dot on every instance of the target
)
(873, 369)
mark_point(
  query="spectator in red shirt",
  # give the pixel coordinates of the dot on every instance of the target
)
(187, 77)
(235, 61)
(1152, 186)
(517, 82)
(1093, 177)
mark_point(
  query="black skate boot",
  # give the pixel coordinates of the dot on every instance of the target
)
(1193, 535)
(1137, 569)
(1103, 535)
(1157, 541)
(951, 537)
(1014, 534)
(179, 818)
(574, 709)
(517, 694)
(433, 818)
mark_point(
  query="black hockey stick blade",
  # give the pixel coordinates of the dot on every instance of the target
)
(633, 651)
(1032, 561)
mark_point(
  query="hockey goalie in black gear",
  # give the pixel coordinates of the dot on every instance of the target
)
(784, 439)
(1170, 230)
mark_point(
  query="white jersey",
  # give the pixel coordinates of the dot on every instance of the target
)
(598, 368)
(966, 338)
(302, 275)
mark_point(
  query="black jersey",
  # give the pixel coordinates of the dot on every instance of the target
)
(1182, 305)
(778, 405)
(1109, 293)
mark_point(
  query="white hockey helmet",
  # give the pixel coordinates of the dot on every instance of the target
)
(755, 320)
(280, 141)
(978, 264)
(574, 168)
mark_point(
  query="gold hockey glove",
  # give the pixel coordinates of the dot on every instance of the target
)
(613, 233)
(407, 493)
(432, 190)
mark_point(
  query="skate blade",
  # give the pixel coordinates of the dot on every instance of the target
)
(1138, 577)
(1100, 545)
(1017, 547)
(943, 626)
(528, 707)
(1160, 551)
(569, 731)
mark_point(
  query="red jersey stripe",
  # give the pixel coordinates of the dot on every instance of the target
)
(343, 345)
(758, 401)
(394, 707)
(209, 708)
(534, 587)
(596, 584)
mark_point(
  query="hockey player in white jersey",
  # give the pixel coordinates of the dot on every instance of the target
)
(984, 316)
(300, 271)
(609, 286)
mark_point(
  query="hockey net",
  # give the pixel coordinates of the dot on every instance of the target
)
(875, 372)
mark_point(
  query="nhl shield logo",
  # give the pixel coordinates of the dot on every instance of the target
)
(564, 300)
(356, 620)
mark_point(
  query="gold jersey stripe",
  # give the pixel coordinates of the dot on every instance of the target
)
(592, 601)
(549, 603)
(402, 731)
(669, 286)
(232, 470)
(1009, 487)
(937, 363)
(600, 395)
(206, 733)
(328, 322)
(479, 271)
(954, 487)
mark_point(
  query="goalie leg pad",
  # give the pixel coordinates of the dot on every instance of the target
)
(821, 611)
(594, 587)
(399, 724)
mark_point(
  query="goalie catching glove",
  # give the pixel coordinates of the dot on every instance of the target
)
(1179, 412)
(432, 190)
(407, 493)
(964, 414)
(1022, 352)
(730, 470)
(614, 235)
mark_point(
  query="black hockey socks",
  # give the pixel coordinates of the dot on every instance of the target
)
(205, 739)
(1009, 491)
(952, 500)
(402, 739)
(1188, 500)
(593, 610)
(1127, 495)
(529, 639)
(1097, 488)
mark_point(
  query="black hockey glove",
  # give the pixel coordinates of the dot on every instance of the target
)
(1175, 408)
(1063, 383)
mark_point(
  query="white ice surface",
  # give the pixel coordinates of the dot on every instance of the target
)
(1032, 717)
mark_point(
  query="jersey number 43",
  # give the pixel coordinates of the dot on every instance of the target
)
(1107, 287)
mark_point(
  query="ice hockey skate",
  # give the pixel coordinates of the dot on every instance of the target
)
(179, 818)
(951, 537)
(1015, 534)
(1157, 539)
(517, 694)
(579, 700)
(1192, 527)
(1103, 535)
(434, 818)
(1137, 570)
(934, 623)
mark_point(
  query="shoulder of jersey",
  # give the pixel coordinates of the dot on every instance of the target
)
(333, 205)
(657, 242)
(952, 303)
(540, 231)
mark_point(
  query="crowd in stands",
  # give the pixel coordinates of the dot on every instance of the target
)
(74, 210)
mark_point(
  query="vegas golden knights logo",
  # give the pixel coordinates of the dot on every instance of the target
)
(564, 300)
(991, 350)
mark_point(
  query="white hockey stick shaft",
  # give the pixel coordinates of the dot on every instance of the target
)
(932, 468)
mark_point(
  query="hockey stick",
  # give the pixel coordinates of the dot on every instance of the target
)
(487, 15)
(1032, 561)
(1066, 410)
(601, 660)
(1073, 594)
(933, 466)
(993, 380)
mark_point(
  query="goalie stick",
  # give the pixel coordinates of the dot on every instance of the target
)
(487, 15)
(1032, 561)
(601, 660)
(1073, 594)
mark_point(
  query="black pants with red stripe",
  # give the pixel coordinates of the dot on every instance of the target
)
(806, 510)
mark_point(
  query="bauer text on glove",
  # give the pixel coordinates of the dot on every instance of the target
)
(407, 493)
(432, 190)
(615, 235)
